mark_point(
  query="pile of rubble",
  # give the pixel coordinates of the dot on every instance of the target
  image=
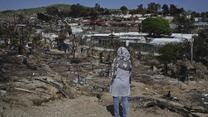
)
(189, 97)
(29, 81)
(195, 71)
(35, 79)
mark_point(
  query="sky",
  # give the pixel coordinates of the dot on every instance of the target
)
(193, 5)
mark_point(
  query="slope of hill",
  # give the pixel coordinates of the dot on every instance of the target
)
(31, 11)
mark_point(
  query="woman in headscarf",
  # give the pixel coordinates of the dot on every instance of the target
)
(120, 84)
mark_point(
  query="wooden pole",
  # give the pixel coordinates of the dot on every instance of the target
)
(192, 44)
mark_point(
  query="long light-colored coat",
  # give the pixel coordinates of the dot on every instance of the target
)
(121, 71)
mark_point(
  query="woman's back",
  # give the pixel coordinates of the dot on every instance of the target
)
(121, 74)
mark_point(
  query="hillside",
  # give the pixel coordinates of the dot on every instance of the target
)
(30, 11)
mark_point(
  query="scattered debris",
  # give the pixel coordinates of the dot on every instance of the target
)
(163, 103)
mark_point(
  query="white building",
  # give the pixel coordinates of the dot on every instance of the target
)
(125, 37)
(76, 29)
(175, 38)
(188, 37)
(201, 25)
(164, 41)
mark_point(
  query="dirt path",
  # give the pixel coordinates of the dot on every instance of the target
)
(86, 107)
(80, 107)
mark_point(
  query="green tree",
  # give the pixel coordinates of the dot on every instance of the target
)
(201, 47)
(195, 14)
(97, 6)
(204, 16)
(174, 11)
(106, 11)
(156, 27)
(20, 18)
(93, 14)
(99, 9)
(140, 9)
(53, 11)
(64, 13)
(153, 8)
(124, 9)
(78, 10)
(185, 25)
(169, 54)
(43, 17)
(165, 9)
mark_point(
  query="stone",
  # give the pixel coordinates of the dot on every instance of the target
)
(3, 93)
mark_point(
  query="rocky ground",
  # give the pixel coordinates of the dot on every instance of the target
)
(50, 85)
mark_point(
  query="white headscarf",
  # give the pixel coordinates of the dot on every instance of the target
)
(123, 54)
(122, 61)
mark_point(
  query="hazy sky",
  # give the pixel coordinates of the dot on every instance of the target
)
(194, 5)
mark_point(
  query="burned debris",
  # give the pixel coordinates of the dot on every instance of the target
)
(46, 57)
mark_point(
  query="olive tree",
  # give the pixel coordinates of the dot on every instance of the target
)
(156, 27)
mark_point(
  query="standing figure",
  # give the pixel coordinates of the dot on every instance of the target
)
(120, 84)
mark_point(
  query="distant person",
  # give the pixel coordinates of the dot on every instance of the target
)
(120, 84)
